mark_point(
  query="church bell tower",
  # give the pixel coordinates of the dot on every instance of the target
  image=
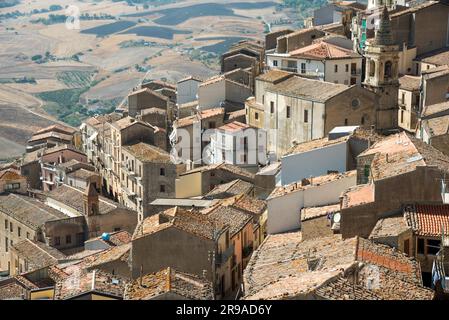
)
(382, 74)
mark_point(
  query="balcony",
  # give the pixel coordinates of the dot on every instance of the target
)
(223, 257)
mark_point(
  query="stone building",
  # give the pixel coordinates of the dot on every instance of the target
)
(241, 235)
(320, 61)
(146, 98)
(382, 73)
(196, 243)
(200, 181)
(387, 178)
(417, 231)
(239, 144)
(408, 100)
(188, 138)
(52, 158)
(329, 268)
(147, 173)
(169, 284)
(11, 181)
(52, 136)
(315, 107)
(27, 218)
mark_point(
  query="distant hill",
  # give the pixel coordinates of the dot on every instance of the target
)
(8, 3)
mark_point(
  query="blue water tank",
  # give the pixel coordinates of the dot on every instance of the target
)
(106, 236)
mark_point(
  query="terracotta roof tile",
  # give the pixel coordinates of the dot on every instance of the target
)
(428, 220)
(169, 280)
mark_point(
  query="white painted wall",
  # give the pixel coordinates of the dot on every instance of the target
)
(342, 76)
(282, 131)
(284, 213)
(314, 163)
(211, 95)
(187, 91)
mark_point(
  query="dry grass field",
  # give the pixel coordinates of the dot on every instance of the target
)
(99, 62)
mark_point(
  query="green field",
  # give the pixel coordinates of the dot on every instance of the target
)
(75, 79)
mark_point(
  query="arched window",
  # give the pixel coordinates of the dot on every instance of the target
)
(372, 68)
(388, 70)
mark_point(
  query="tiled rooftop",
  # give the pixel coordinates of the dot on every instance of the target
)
(285, 267)
(315, 181)
(435, 108)
(90, 281)
(402, 153)
(229, 216)
(234, 126)
(316, 212)
(226, 167)
(148, 153)
(389, 227)
(358, 195)
(10, 175)
(37, 254)
(73, 198)
(323, 50)
(29, 211)
(51, 134)
(275, 76)
(428, 219)
(438, 126)
(115, 253)
(233, 188)
(313, 90)
(196, 224)
(438, 57)
(57, 127)
(359, 133)
(82, 173)
(205, 114)
(410, 83)
(185, 285)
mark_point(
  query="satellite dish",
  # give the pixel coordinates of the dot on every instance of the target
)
(337, 217)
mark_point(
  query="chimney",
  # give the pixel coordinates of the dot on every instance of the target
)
(386, 157)
(91, 200)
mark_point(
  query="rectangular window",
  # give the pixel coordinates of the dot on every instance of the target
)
(403, 98)
(271, 106)
(306, 116)
(68, 239)
(288, 111)
(212, 125)
(346, 122)
(6, 244)
(6, 224)
(162, 172)
(263, 99)
(433, 246)
(420, 249)
(256, 115)
(10, 227)
(162, 188)
(303, 67)
(57, 241)
(336, 68)
(347, 68)
(28, 235)
(18, 231)
(275, 63)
